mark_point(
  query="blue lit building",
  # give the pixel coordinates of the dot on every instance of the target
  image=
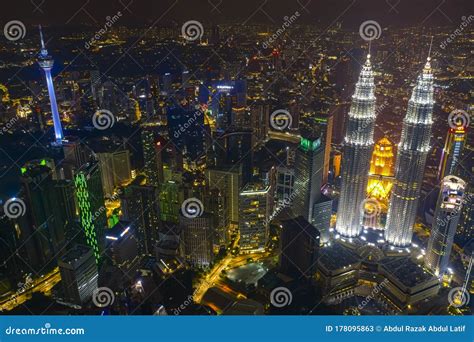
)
(46, 63)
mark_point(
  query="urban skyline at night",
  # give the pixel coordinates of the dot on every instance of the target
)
(292, 159)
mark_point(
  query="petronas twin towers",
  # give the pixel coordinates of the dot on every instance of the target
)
(358, 146)
(411, 158)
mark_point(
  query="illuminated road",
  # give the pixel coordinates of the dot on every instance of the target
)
(213, 275)
(284, 136)
(43, 284)
(230, 261)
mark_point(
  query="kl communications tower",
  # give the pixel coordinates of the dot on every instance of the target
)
(46, 63)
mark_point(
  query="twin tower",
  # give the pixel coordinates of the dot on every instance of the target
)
(411, 158)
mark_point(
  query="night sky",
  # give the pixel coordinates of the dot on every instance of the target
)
(169, 12)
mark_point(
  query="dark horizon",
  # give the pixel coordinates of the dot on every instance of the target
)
(168, 12)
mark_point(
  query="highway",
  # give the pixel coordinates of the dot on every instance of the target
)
(43, 284)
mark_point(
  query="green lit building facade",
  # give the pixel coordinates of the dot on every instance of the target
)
(92, 210)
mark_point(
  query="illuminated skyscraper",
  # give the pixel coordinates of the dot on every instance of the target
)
(152, 154)
(198, 238)
(411, 158)
(325, 121)
(448, 211)
(139, 204)
(254, 211)
(46, 63)
(50, 215)
(309, 165)
(92, 210)
(358, 146)
(452, 151)
(115, 168)
(171, 197)
(228, 181)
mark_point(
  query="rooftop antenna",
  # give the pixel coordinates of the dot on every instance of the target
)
(427, 68)
(43, 47)
(429, 51)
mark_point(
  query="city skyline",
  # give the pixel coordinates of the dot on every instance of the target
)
(217, 167)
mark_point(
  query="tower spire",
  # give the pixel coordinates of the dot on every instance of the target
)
(43, 45)
(46, 63)
(358, 146)
(427, 68)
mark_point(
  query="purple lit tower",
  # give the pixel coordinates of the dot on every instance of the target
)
(46, 63)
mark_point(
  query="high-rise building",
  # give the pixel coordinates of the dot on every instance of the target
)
(171, 198)
(139, 204)
(215, 204)
(186, 131)
(321, 217)
(122, 245)
(446, 219)
(254, 212)
(50, 214)
(285, 179)
(452, 150)
(79, 275)
(74, 152)
(115, 169)
(228, 181)
(358, 146)
(152, 154)
(309, 166)
(299, 242)
(92, 210)
(46, 63)
(411, 159)
(325, 121)
(260, 118)
(198, 237)
(465, 231)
